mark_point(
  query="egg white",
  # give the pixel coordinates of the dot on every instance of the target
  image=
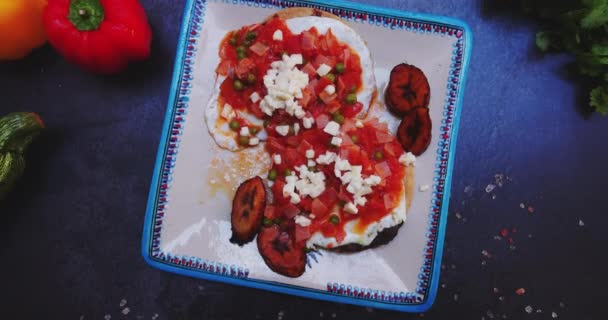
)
(218, 127)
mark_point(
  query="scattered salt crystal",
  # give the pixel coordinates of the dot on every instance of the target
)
(497, 238)
(485, 253)
(499, 179)
(107, 317)
(155, 316)
(539, 311)
(512, 247)
(458, 215)
(490, 187)
(333, 315)
(529, 309)
(123, 303)
(581, 223)
(468, 190)
(443, 285)
(562, 305)
(484, 262)
(493, 197)
(490, 314)
(455, 297)
(553, 315)
(495, 290)
(501, 298)
(424, 188)
(522, 205)
(126, 311)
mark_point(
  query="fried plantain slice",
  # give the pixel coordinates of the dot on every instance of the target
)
(248, 208)
(408, 89)
(280, 252)
(414, 132)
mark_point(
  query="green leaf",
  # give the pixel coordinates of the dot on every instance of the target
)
(599, 49)
(543, 41)
(596, 17)
(599, 99)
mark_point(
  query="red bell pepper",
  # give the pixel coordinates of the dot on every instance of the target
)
(102, 36)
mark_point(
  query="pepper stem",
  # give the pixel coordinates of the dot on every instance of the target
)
(86, 15)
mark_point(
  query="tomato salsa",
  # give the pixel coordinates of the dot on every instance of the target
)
(246, 56)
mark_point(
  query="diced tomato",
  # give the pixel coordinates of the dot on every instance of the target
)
(319, 208)
(290, 211)
(243, 67)
(310, 70)
(340, 234)
(327, 98)
(344, 195)
(322, 120)
(346, 53)
(333, 106)
(270, 212)
(331, 40)
(388, 201)
(327, 60)
(351, 110)
(224, 67)
(255, 109)
(277, 189)
(349, 125)
(383, 169)
(292, 141)
(309, 41)
(274, 145)
(321, 84)
(302, 233)
(393, 149)
(293, 157)
(259, 48)
(307, 96)
(375, 123)
(340, 86)
(329, 197)
(384, 137)
(304, 146)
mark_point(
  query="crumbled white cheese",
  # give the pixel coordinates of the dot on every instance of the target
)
(311, 163)
(302, 221)
(307, 122)
(277, 159)
(336, 141)
(332, 128)
(323, 70)
(351, 176)
(284, 83)
(277, 35)
(407, 159)
(282, 130)
(359, 124)
(255, 97)
(351, 208)
(254, 141)
(299, 113)
(327, 158)
(308, 183)
(245, 131)
(330, 89)
(310, 153)
(228, 112)
(296, 128)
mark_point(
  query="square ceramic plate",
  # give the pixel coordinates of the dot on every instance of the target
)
(187, 224)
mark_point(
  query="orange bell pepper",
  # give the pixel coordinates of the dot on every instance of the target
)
(21, 28)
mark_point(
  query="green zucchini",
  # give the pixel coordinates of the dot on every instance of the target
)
(17, 131)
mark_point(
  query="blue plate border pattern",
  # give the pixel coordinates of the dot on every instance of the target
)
(425, 293)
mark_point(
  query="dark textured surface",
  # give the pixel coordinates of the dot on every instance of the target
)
(71, 230)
